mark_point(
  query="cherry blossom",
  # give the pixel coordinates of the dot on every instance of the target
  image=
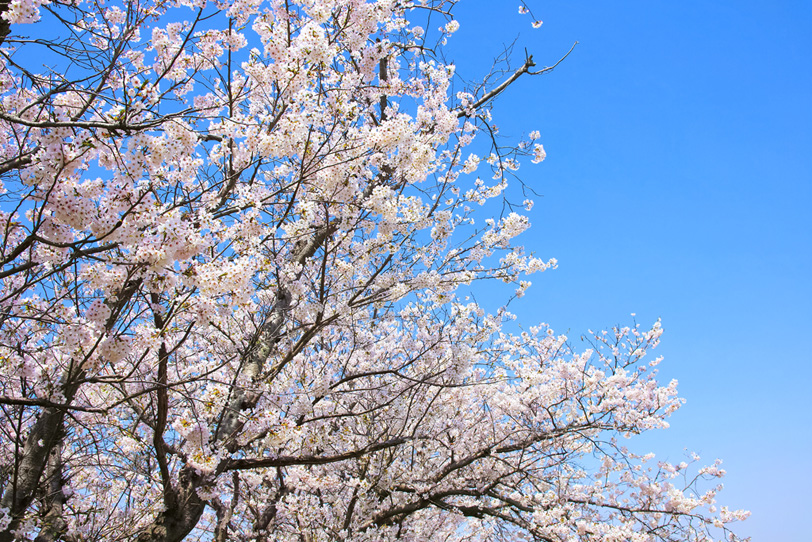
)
(240, 241)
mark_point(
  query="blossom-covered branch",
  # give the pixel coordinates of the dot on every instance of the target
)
(238, 240)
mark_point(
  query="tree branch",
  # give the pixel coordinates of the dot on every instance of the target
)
(528, 63)
(286, 460)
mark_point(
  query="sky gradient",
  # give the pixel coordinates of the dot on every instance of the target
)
(677, 186)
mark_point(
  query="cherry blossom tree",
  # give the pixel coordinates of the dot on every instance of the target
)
(238, 237)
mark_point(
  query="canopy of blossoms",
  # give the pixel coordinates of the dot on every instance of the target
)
(237, 241)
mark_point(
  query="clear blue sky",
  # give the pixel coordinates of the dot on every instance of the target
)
(678, 184)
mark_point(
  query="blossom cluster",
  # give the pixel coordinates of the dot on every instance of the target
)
(239, 244)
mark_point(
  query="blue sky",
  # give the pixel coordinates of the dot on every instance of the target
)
(678, 185)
